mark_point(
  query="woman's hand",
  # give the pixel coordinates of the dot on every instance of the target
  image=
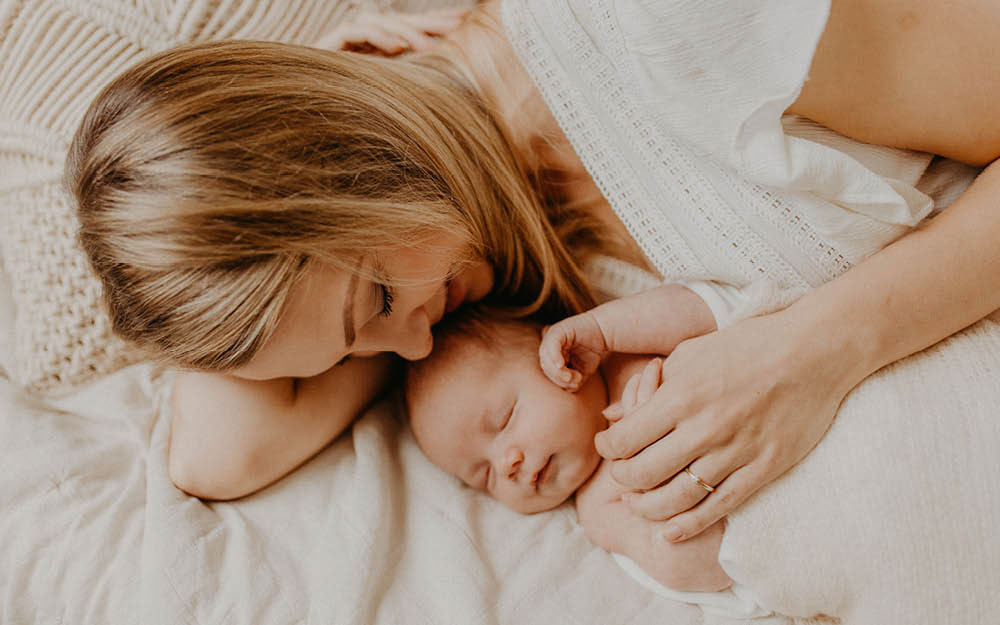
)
(737, 407)
(393, 33)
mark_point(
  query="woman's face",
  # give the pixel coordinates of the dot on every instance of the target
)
(334, 313)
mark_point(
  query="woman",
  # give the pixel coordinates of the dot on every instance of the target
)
(274, 330)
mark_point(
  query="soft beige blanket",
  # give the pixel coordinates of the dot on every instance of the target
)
(367, 533)
(892, 519)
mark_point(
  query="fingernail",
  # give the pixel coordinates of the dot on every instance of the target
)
(672, 534)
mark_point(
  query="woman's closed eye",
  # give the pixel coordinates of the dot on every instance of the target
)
(385, 297)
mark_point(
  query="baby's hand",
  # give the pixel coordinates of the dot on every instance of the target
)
(571, 350)
(392, 33)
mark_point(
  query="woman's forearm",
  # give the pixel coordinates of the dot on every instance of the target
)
(231, 437)
(914, 293)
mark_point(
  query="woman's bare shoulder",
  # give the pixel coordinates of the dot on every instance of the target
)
(919, 74)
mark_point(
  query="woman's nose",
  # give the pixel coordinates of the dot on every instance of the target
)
(512, 460)
(415, 340)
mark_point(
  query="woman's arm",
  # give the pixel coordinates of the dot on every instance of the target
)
(230, 437)
(918, 74)
(743, 405)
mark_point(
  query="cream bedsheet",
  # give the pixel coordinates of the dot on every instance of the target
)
(92, 531)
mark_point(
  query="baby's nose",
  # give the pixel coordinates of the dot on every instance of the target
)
(512, 460)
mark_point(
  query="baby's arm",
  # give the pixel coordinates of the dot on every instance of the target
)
(230, 437)
(650, 322)
(692, 565)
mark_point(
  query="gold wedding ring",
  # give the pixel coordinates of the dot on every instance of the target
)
(697, 480)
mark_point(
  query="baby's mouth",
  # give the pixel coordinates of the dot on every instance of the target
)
(542, 475)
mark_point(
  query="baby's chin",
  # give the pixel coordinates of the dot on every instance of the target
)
(538, 504)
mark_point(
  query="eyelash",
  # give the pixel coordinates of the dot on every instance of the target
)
(388, 297)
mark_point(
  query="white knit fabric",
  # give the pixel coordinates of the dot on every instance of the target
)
(675, 109)
(54, 58)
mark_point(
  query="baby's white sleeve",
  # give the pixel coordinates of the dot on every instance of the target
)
(730, 304)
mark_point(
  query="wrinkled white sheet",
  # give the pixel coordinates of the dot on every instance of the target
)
(92, 531)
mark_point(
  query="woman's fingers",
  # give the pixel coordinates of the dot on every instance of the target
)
(393, 33)
(614, 411)
(726, 497)
(416, 37)
(648, 423)
(437, 22)
(649, 382)
(683, 491)
(381, 38)
(658, 462)
(629, 394)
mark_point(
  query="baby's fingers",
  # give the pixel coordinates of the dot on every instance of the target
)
(552, 358)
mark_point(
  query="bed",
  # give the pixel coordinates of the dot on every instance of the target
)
(92, 530)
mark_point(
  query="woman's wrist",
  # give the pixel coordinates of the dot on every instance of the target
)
(828, 344)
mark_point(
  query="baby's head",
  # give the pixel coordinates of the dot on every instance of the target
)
(481, 409)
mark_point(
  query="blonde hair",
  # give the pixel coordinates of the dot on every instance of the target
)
(210, 176)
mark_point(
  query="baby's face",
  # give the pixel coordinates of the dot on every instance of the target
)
(501, 426)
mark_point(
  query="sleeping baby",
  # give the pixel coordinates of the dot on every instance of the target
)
(482, 408)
